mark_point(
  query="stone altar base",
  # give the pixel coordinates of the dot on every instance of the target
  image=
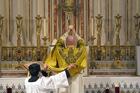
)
(88, 84)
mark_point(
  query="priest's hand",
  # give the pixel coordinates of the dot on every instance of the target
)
(45, 67)
(73, 65)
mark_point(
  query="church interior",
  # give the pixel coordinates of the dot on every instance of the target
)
(29, 29)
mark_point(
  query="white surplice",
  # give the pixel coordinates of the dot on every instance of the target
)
(43, 84)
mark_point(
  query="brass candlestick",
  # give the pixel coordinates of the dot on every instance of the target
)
(117, 29)
(1, 28)
(19, 22)
(99, 28)
(137, 28)
(38, 29)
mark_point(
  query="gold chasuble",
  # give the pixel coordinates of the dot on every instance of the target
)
(64, 54)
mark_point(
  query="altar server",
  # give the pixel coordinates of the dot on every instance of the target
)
(37, 83)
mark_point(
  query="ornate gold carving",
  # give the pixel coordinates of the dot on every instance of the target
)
(104, 57)
(70, 57)
(19, 22)
(69, 8)
(23, 53)
(117, 29)
(99, 28)
(118, 64)
(68, 5)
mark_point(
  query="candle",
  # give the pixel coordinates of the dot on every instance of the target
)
(45, 33)
(117, 88)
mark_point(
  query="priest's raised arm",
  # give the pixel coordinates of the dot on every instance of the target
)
(69, 51)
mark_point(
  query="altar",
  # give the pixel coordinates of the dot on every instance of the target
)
(28, 34)
(90, 84)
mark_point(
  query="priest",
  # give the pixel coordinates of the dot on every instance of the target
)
(70, 50)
